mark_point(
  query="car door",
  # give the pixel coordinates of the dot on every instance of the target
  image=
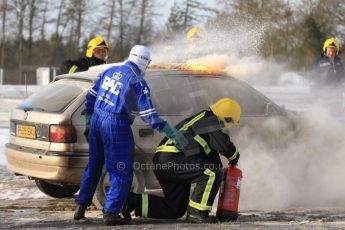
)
(172, 96)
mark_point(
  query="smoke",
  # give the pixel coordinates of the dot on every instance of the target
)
(305, 171)
(284, 165)
(234, 51)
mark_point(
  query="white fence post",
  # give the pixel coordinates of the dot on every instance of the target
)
(1, 76)
(43, 75)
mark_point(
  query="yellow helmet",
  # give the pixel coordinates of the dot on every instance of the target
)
(95, 43)
(195, 33)
(331, 42)
(228, 111)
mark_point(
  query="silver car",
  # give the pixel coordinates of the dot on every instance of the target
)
(46, 130)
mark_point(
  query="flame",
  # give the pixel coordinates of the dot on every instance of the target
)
(209, 64)
(199, 68)
(195, 68)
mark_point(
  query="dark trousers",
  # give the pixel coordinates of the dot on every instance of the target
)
(176, 173)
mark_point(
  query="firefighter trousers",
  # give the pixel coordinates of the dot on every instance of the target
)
(176, 173)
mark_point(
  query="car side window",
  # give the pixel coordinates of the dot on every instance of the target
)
(170, 95)
(212, 88)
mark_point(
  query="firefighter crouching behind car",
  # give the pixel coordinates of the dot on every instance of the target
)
(96, 54)
(198, 163)
(119, 94)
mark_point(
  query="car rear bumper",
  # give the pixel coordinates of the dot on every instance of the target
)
(66, 167)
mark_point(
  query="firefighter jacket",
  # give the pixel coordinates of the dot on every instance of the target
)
(204, 134)
(122, 91)
(325, 72)
(81, 64)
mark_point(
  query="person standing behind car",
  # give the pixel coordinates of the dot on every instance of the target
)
(328, 78)
(328, 70)
(119, 94)
(199, 162)
(96, 54)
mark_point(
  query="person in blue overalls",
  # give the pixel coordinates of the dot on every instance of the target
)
(119, 94)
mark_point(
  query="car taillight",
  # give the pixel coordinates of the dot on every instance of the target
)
(62, 134)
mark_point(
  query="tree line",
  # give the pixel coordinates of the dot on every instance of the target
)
(44, 32)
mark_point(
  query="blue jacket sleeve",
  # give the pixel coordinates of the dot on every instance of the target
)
(91, 97)
(145, 107)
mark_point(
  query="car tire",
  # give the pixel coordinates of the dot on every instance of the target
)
(138, 186)
(56, 191)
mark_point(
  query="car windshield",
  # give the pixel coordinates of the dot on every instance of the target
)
(56, 96)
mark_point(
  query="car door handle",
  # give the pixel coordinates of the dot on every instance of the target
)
(145, 132)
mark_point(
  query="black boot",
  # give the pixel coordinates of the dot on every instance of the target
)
(129, 206)
(113, 219)
(195, 216)
(79, 212)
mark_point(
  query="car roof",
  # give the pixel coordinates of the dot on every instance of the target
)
(156, 70)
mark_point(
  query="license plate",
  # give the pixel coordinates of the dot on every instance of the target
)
(26, 131)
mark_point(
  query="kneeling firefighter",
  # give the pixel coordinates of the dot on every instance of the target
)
(199, 163)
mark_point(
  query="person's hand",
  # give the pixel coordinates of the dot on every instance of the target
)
(86, 133)
(87, 125)
(87, 119)
(180, 141)
(178, 138)
(235, 160)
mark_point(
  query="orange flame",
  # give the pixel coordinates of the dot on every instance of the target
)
(199, 68)
(196, 68)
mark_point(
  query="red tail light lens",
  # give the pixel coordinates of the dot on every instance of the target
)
(62, 134)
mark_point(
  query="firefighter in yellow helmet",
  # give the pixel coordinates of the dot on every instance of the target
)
(195, 33)
(194, 37)
(96, 54)
(328, 70)
(198, 163)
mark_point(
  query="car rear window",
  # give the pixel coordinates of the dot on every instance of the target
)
(56, 96)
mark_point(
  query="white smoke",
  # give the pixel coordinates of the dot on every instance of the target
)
(305, 171)
(283, 166)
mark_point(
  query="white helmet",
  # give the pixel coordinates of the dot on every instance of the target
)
(140, 55)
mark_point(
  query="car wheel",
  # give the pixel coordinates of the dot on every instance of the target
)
(56, 191)
(138, 186)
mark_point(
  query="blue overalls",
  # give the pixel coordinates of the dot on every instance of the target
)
(119, 95)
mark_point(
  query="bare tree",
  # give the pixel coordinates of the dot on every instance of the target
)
(187, 14)
(44, 19)
(4, 8)
(20, 7)
(56, 38)
(111, 17)
(143, 10)
(79, 20)
(32, 8)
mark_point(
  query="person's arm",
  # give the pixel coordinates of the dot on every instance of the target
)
(224, 146)
(91, 97)
(146, 110)
(148, 114)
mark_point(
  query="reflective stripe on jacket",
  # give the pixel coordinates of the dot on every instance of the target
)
(204, 134)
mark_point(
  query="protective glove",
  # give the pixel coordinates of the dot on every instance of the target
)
(87, 125)
(178, 138)
(235, 161)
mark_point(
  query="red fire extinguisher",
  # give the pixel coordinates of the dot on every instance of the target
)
(229, 194)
